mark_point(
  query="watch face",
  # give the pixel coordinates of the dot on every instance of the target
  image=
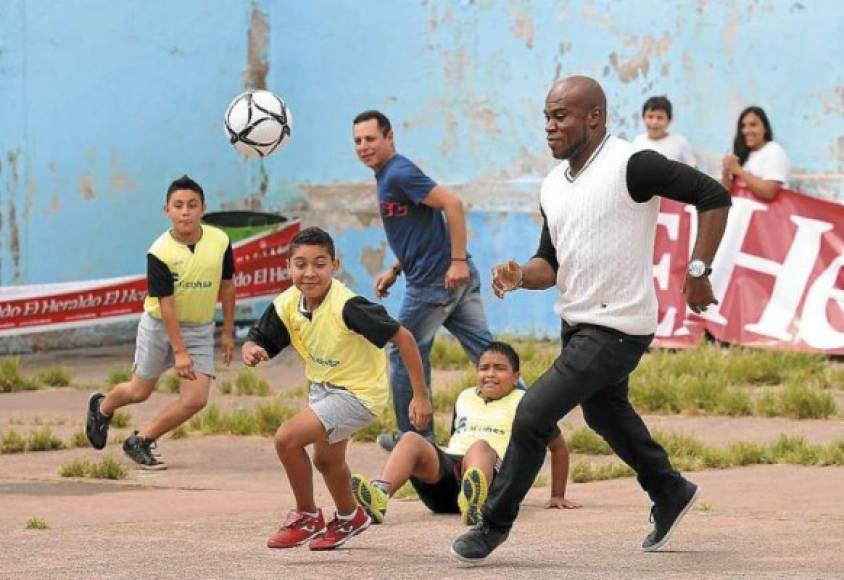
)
(697, 268)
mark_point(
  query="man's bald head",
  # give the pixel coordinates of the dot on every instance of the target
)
(579, 91)
(575, 118)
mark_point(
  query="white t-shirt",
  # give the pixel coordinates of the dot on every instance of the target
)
(673, 146)
(769, 162)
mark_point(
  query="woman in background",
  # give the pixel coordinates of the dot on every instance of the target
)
(757, 161)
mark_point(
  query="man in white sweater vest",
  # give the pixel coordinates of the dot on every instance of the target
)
(599, 207)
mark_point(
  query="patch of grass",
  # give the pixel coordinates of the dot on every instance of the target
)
(584, 440)
(690, 454)
(406, 493)
(270, 416)
(299, 392)
(583, 471)
(11, 376)
(43, 440)
(36, 524)
(447, 354)
(119, 375)
(75, 468)
(107, 468)
(443, 398)
(801, 402)
(12, 442)
(265, 419)
(78, 439)
(541, 480)
(703, 507)
(169, 383)
(58, 376)
(121, 419)
(179, 432)
(383, 423)
(249, 382)
(225, 387)
(16, 421)
(442, 429)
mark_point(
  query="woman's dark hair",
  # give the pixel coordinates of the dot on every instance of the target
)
(739, 147)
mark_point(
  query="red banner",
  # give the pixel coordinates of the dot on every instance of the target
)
(778, 275)
(261, 270)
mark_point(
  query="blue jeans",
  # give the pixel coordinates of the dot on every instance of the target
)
(424, 310)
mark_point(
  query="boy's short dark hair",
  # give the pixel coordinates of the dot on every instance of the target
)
(657, 104)
(383, 121)
(185, 182)
(313, 236)
(505, 349)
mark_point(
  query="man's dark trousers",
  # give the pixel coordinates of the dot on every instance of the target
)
(592, 371)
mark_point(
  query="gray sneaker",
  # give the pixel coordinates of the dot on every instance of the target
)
(138, 450)
(667, 513)
(388, 441)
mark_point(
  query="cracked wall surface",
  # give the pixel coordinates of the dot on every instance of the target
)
(102, 107)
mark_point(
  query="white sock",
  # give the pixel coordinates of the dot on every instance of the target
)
(310, 515)
(347, 517)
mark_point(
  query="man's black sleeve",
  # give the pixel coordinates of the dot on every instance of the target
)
(159, 278)
(546, 250)
(370, 320)
(650, 173)
(228, 263)
(269, 332)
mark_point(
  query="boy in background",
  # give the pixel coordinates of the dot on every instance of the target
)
(455, 479)
(341, 337)
(657, 115)
(189, 267)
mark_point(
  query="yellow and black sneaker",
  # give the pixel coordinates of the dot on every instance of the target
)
(473, 491)
(371, 497)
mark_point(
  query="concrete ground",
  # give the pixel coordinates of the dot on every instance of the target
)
(210, 514)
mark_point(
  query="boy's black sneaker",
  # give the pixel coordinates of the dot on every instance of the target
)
(138, 450)
(667, 513)
(96, 424)
(388, 441)
(475, 545)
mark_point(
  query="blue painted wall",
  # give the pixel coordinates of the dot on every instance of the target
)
(102, 103)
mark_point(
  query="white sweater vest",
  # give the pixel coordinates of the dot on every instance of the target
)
(604, 242)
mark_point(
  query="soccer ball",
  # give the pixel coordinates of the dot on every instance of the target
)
(258, 123)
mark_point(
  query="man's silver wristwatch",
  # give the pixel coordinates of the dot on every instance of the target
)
(698, 269)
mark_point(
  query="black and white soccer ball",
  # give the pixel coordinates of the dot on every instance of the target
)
(258, 123)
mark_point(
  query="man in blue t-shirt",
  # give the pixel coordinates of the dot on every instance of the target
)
(426, 230)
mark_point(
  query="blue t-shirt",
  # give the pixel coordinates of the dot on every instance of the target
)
(417, 234)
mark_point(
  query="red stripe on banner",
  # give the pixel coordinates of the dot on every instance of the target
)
(261, 270)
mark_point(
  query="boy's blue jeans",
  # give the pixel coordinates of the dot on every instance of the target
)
(424, 310)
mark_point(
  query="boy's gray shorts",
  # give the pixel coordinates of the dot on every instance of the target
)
(339, 411)
(154, 354)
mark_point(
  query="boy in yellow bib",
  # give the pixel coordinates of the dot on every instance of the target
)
(341, 337)
(189, 268)
(455, 478)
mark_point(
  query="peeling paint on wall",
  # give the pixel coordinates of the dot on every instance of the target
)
(639, 64)
(14, 232)
(86, 186)
(258, 39)
(522, 27)
(120, 181)
(373, 259)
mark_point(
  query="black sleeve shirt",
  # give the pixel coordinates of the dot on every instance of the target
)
(370, 320)
(648, 174)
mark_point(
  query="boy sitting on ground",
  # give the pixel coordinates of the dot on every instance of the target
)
(455, 479)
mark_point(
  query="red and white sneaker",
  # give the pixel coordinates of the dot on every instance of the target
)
(339, 531)
(297, 529)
